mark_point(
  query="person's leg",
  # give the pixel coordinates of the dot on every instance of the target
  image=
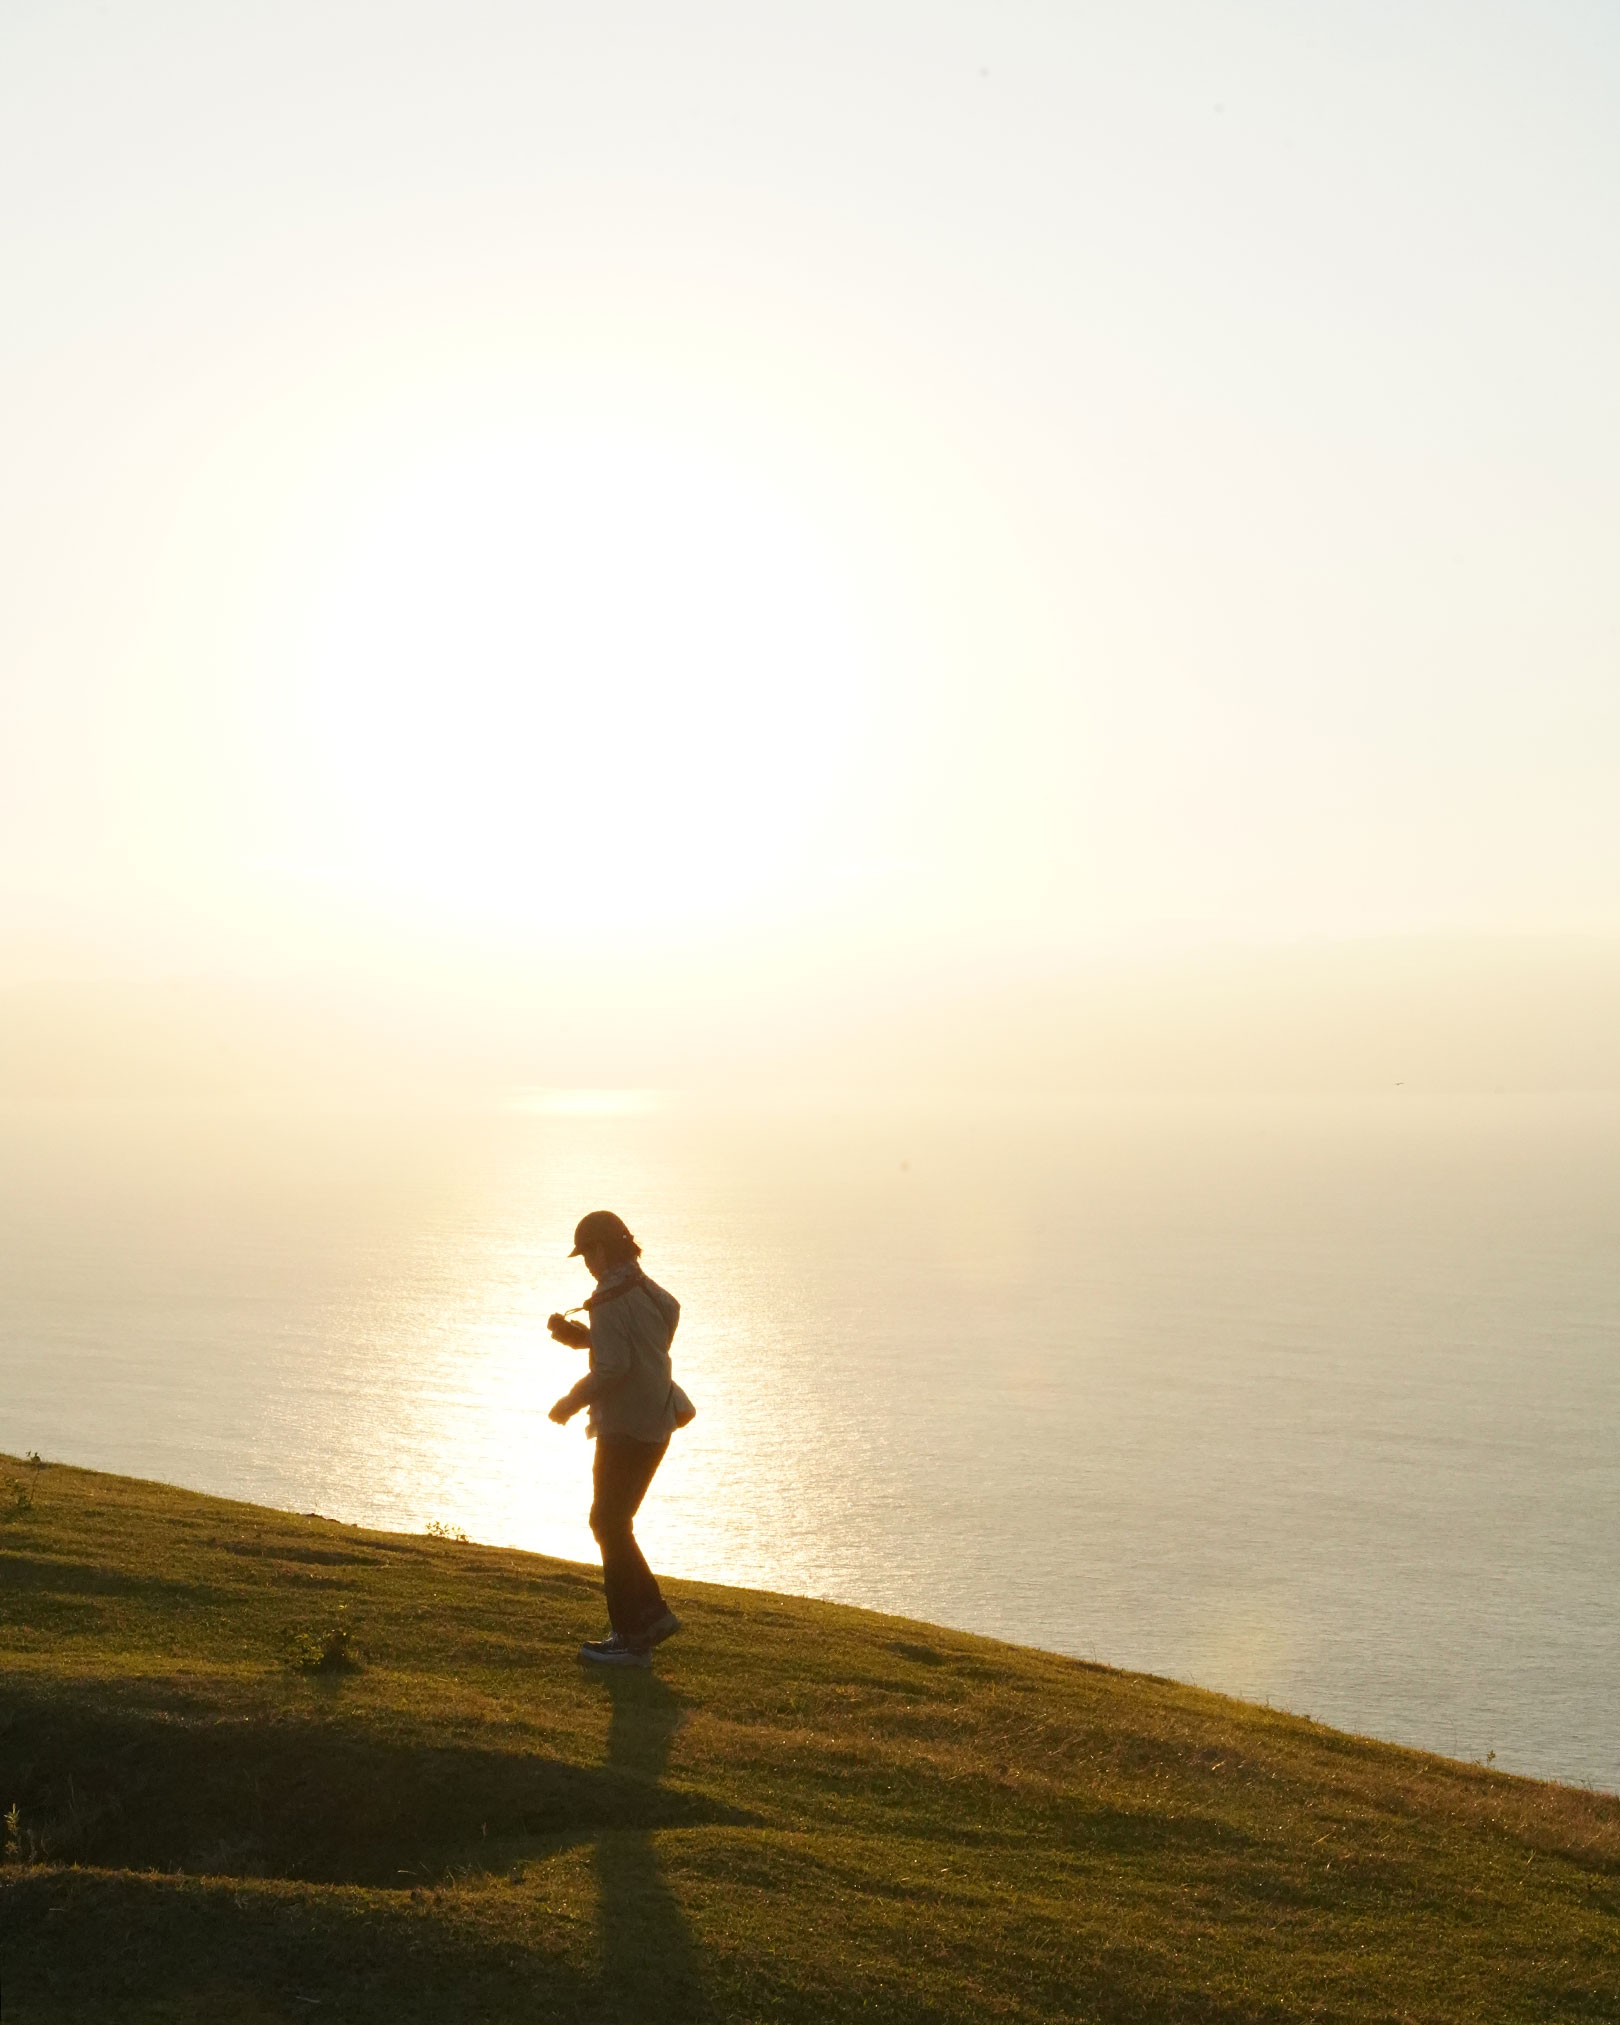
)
(613, 1488)
(622, 1471)
(645, 1601)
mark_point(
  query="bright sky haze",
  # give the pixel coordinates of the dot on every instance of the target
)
(803, 492)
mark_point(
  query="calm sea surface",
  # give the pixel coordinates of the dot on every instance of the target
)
(1315, 1402)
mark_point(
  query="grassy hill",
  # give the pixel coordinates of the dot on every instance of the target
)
(806, 1813)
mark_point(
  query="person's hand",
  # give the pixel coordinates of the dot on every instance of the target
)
(568, 1332)
(563, 1412)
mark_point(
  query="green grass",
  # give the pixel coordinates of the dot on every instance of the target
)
(807, 1812)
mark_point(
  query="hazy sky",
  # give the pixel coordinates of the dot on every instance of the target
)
(789, 483)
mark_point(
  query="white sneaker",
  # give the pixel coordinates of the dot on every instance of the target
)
(614, 1651)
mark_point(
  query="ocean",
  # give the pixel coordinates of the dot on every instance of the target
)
(1311, 1401)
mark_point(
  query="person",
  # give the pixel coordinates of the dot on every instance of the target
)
(634, 1407)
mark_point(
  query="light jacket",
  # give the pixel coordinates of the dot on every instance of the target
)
(630, 1388)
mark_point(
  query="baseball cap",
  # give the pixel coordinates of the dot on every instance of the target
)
(600, 1227)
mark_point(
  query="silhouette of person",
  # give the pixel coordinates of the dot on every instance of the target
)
(634, 1407)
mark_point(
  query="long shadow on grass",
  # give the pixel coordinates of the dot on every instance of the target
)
(649, 1962)
(99, 1947)
(307, 1795)
(40, 1575)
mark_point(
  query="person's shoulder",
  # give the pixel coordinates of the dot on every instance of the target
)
(661, 1297)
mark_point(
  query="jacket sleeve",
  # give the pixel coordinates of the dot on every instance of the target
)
(610, 1355)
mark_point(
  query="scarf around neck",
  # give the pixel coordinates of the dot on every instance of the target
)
(615, 1281)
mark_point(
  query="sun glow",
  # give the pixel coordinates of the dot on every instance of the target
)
(551, 674)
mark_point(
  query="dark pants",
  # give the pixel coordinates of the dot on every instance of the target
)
(623, 1469)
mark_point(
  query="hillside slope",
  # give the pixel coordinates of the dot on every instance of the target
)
(806, 1813)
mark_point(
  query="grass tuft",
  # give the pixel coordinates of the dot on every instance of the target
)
(331, 1649)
